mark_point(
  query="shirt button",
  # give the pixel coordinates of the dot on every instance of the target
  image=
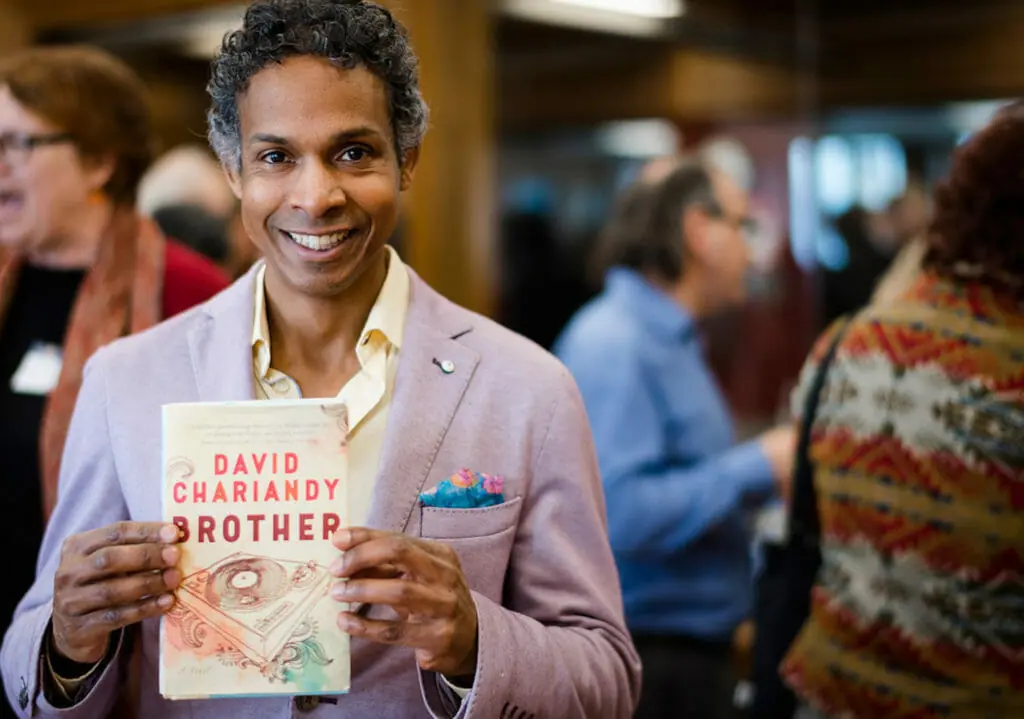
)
(281, 386)
(306, 704)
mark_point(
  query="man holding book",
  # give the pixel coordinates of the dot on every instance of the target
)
(481, 592)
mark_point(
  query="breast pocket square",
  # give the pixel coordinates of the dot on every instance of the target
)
(466, 490)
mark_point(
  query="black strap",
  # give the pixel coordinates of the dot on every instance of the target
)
(784, 588)
(804, 524)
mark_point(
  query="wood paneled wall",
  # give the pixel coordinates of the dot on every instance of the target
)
(15, 30)
(451, 232)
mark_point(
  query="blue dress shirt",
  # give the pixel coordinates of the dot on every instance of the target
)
(678, 488)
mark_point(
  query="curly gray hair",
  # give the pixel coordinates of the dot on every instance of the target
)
(349, 33)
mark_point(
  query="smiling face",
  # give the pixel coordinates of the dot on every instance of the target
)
(320, 179)
(43, 187)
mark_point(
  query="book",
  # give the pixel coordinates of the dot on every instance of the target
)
(257, 489)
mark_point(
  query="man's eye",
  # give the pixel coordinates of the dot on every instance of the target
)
(354, 154)
(273, 157)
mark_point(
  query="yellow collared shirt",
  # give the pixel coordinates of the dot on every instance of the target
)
(368, 394)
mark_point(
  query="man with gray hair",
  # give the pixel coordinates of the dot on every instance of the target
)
(187, 195)
(678, 488)
(501, 601)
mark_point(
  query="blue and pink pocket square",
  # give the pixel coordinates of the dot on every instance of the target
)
(465, 490)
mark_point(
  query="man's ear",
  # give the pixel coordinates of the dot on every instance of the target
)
(409, 159)
(695, 239)
(232, 173)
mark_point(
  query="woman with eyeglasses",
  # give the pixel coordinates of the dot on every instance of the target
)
(78, 266)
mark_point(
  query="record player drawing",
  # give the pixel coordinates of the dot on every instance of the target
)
(255, 602)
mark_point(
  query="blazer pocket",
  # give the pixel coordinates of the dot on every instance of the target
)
(445, 523)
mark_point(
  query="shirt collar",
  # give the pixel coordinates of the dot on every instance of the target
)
(387, 316)
(656, 310)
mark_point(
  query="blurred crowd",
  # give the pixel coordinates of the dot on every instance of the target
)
(861, 557)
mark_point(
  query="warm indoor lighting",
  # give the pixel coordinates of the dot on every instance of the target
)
(628, 17)
(663, 9)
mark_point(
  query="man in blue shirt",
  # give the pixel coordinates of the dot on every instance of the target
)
(679, 490)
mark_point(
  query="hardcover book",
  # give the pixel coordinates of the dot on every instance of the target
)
(256, 489)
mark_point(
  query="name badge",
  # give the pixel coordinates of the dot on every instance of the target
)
(39, 370)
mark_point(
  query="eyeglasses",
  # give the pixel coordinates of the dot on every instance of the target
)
(16, 147)
(746, 226)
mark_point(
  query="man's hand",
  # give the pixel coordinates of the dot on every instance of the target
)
(423, 582)
(108, 579)
(779, 446)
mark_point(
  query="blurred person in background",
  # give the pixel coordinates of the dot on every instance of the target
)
(867, 237)
(78, 267)
(185, 192)
(537, 292)
(876, 243)
(678, 488)
(186, 175)
(918, 455)
(911, 215)
(197, 227)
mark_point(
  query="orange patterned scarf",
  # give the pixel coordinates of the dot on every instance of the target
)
(120, 295)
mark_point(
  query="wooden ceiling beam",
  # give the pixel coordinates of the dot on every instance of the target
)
(47, 16)
(976, 59)
(682, 85)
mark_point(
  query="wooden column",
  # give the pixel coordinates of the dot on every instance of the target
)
(15, 31)
(450, 223)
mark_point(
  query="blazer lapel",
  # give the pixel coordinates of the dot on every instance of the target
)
(220, 344)
(434, 371)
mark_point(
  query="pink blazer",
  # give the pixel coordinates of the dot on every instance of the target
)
(552, 638)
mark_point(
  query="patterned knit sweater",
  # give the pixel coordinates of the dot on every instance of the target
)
(918, 611)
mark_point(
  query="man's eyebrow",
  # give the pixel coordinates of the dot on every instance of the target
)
(267, 139)
(345, 135)
(363, 131)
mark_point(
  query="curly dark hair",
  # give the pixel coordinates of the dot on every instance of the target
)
(349, 33)
(978, 229)
(645, 230)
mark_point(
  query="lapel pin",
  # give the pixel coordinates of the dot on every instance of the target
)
(447, 366)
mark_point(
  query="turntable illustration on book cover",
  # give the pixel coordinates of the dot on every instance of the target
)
(257, 600)
(256, 489)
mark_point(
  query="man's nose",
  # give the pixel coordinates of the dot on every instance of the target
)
(317, 189)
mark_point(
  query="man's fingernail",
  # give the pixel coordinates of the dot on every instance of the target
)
(172, 578)
(337, 567)
(165, 600)
(170, 555)
(343, 536)
(168, 533)
(340, 590)
(345, 622)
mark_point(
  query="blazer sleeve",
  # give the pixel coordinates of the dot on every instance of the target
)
(89, 497)
(559, 646)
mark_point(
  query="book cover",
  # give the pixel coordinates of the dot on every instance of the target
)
(257, 489)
